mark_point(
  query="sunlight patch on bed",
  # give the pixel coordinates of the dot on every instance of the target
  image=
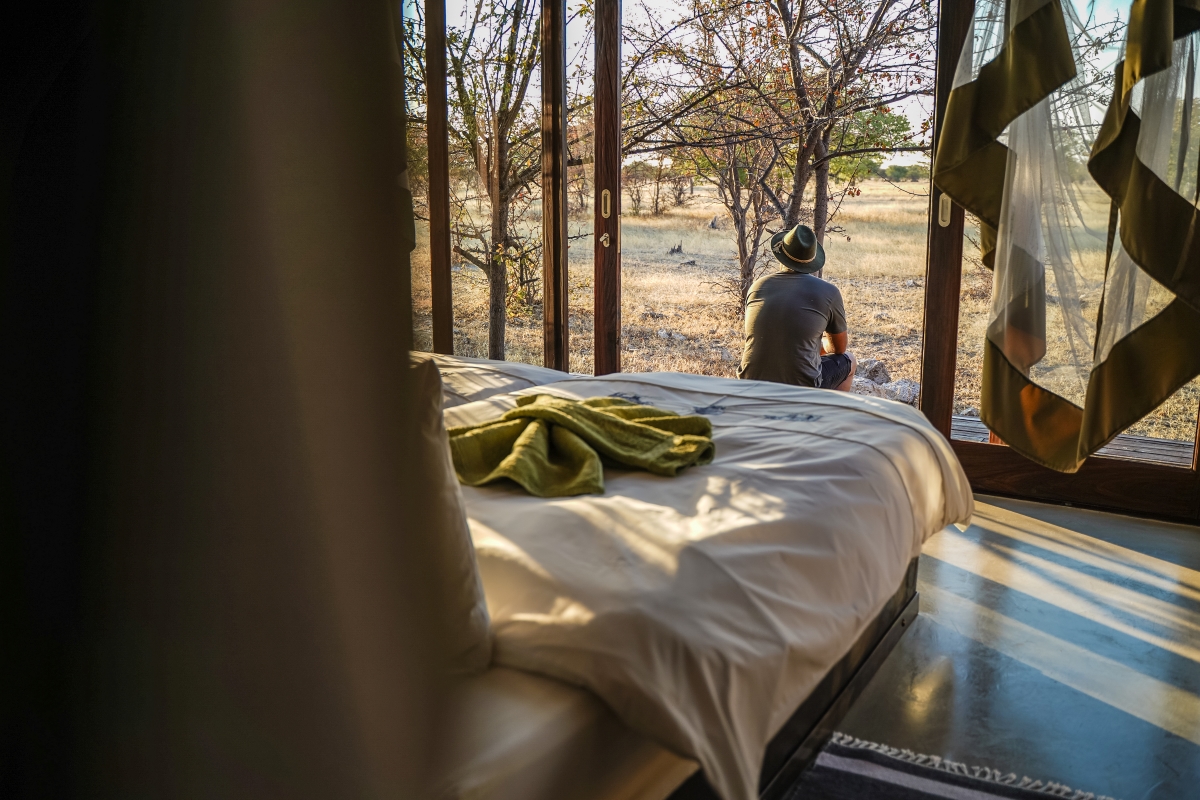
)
(1154, 701)
(515, 584)
(733, 504)
(656, 529)
(563, 611)
(645, 528)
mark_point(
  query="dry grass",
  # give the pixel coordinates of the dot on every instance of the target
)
(665, 297)
(675, 319)
(973, 306)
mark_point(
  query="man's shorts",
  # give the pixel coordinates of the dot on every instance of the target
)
(835, 368)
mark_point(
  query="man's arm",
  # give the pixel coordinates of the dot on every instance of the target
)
(837, 322)
(840, 341)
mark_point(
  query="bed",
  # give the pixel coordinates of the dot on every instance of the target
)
(465, 380)
(724, 617)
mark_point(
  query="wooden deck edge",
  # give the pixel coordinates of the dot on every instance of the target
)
(1127, 447)
(1143, 489)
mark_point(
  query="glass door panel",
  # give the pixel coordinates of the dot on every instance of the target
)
(494, 156)
(495, 177)
(418, 171)
(581, 153)
(1073, 288)
(706, 185)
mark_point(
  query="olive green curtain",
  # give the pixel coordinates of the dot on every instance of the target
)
(1089, 225)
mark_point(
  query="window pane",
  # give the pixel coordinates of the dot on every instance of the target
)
(418, 171)
(581, 187)
(495, 178)
(708, 181)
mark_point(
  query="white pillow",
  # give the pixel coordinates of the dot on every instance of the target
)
(471, 636)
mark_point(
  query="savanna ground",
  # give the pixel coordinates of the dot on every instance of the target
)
(676, 316)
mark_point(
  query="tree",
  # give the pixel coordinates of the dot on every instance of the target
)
(740, 170)
(845, 59)
(820, 75)
(580, 160)
(723, 137)
(878, 127)
(635, 177)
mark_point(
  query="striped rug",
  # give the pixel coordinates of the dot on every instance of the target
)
(851, 769)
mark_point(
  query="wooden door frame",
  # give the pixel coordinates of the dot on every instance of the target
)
(607, 227)
(437, 137)
(607, 216)
(556, 342)
(1105, 483)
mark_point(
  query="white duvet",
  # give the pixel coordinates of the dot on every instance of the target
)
(704, 608)
(467, 379)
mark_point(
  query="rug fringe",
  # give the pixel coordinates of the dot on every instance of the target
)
(1048, 788)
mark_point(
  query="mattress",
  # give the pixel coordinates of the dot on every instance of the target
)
(467, 379)
(523, 736)
(703, 609)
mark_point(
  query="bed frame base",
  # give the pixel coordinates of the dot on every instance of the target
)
(810, 747)
(798, 743)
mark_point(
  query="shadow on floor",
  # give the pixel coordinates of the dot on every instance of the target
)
(1056, 643)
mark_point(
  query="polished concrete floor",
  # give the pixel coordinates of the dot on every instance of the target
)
(1056, 643)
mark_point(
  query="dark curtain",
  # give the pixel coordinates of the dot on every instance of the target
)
(213, 563)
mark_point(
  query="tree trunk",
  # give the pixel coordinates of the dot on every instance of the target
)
(658, 188)
(745, 258)
(497, 258)
(821, 193)
(821, 190)
(739, 211)
(804, 171)
(758, 205)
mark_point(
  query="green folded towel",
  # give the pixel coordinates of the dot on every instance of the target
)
(556, 448)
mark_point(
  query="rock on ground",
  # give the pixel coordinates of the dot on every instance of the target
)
(905, 390)
(867, 387)
(873, 370)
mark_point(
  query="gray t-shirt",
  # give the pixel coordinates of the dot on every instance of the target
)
(786, 313)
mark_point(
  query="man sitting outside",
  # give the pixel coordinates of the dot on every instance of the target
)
(788, 313)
